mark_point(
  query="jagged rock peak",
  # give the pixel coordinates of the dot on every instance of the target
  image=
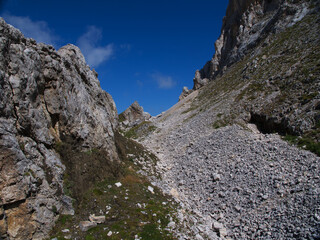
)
(72, 52)
(46, 97)
(185, 92)
(246, 24)
(133, 115)
(198, 81)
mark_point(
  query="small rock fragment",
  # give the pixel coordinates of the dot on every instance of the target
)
(151, 189)
(171, 224)
(97, 219)
(174, 193)
(223, 232)
(217, 225)
(198, 237)
(86, 225)
(216, 177)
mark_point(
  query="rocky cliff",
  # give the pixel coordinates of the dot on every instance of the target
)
(47, 98)
(248, 23)
(267, 54)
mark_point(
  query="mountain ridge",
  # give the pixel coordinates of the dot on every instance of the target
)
(246, 24)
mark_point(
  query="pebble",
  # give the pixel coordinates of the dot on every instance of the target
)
(171, 224)
(198, 237)
(151, 189)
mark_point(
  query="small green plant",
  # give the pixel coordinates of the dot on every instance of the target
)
(89, 237)
(152, 128)
(150, 231)
(67, 185)
(141, 129)
(121, 117)
(22, 147)
(30, 173)
(92, 151)
(63, 219)
(304, 142)
(221, 122)
(54, 209)
(97, 192)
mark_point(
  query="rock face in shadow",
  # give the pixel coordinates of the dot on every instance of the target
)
(46, 97)
(246, 24)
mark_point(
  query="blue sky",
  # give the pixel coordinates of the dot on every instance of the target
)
(142, 50)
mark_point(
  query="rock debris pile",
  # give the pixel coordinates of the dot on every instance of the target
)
(249, 184)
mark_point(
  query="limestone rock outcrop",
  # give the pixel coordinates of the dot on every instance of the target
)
(185, 92)
(198, 81)
(133, 115)
(46, 97)
(246, 24)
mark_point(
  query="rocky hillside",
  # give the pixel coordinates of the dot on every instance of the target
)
(247, 24)
(47, 98)
(222, 147)
(220, 152)
(266, 67)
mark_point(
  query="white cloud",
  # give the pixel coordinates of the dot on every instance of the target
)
(164, 82)
(37, 30)
(94, 54)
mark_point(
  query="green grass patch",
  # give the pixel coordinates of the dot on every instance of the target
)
(89, 237)
(121, 117)
(63, 219)
(218, 124)
(129, 210)
(141, 129)
(304, 142)
(151, 231)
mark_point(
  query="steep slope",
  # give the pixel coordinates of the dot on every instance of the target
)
(248, 23)
(47, 97)
(218, 152)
